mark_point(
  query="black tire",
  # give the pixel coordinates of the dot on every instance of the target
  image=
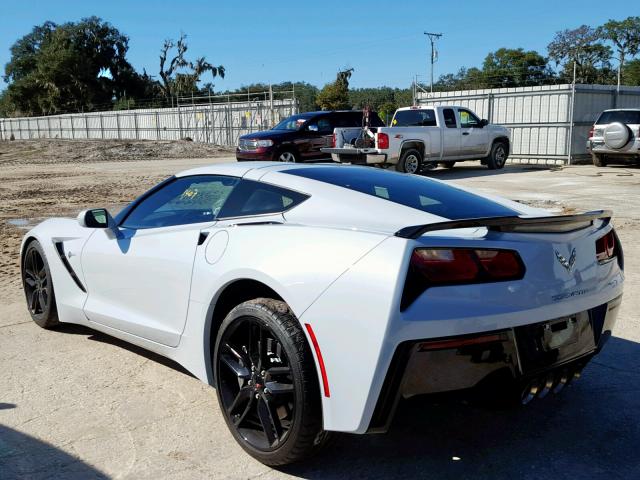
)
(38, 286)
(447, 164)
(246, 388)
(287, 156)
(598, 160)
(498, 155)
(410, 161)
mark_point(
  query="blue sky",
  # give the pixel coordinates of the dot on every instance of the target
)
(309, 41)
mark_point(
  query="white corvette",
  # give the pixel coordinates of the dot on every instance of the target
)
(315, 297)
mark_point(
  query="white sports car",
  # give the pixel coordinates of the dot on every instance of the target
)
(315, 297)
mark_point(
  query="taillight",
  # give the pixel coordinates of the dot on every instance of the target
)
(333, 140)
(383, 140)
(606, 247)
(591, 132)
(432, 267)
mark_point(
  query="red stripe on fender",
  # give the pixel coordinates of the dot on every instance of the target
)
(323, 371)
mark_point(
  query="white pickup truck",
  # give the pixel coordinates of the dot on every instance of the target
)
(423, 136)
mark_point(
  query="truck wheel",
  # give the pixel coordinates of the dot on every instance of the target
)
(498, 156)
(447, 164)
(267, 384)
(410, 161)
(287, 156)
(598, 160)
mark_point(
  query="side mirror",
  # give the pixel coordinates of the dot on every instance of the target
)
(312, 128)
(484, 122)
(95, 218)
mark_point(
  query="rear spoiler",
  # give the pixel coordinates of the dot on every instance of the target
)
(550, 224)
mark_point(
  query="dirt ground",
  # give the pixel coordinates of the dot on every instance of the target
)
(75, 403)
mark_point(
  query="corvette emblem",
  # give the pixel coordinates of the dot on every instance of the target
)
(568, 264)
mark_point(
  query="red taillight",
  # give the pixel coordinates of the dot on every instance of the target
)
(606, 247)
(383, 140)
(333, 140)
(591, 132)
(432, 267)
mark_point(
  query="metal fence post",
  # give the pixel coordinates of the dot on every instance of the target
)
(157, 126)
(118, 124)
(48, 126)
(73, 134)
(101, 126)
(86, 125)
(135, 122)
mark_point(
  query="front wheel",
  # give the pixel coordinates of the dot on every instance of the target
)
(266, 383)
(38, 286)
(287, 156)
(410, 161)
(498, 156)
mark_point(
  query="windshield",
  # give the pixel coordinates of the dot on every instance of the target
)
(630, 117)
(409, 190)
(292, 123)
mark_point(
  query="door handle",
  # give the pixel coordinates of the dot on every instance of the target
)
(465, 133)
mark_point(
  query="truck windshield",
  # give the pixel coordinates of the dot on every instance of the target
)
(414, 118)
(629, 117)
(409, 190)
(292, 123)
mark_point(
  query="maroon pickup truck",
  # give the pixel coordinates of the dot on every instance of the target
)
(299, 138)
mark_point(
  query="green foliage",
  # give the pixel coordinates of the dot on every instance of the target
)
(69, 67)
(508, 67)
(335, 96)
(631, 73)
(625, 36)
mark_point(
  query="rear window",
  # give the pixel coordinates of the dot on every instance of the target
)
(256, 198)
(414, 118)
(630, 117)
(354, 119)
(409, 190)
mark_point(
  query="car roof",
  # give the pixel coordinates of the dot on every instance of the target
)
(621, 110)
(421, 107)
(240, 169)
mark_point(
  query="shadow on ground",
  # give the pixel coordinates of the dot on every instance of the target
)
(43, 460)
(475, 169)
(590, 430)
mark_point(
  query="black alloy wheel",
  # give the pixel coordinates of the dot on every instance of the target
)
(38, 287)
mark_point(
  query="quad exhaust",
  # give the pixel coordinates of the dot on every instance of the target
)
(554, 382)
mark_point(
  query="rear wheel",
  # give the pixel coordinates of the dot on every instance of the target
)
(38, 287)
(267, 384)
(410, 161)
(498, 156)
(598, 160)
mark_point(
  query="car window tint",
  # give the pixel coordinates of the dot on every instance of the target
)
(449, 118)
(185, 200)
(629, 117)
(468, 119)
(257, 198)
(409, 190)
(414, 118)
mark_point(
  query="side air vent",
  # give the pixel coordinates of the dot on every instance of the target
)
(60, 249)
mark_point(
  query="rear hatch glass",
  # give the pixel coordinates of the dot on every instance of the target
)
(409, 190)
(628, 117)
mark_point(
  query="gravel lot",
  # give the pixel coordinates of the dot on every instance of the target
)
(78, 404)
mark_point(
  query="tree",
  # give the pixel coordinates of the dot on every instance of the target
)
(509, 67)
(68, 67)
(625, 36)
(632, 72)
(584, 47)
(335, 96)
(181, 76)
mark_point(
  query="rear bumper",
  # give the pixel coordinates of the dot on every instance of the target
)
(519, 360)
(630, 151)
(363, 156)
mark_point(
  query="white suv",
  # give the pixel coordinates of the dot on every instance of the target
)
(615, 137)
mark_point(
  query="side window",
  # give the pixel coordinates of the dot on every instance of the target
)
(186, 200)
(468, 119)
(257, 198)
(323, 124)
(449, 118)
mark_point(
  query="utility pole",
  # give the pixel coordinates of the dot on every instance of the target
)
(434, 53)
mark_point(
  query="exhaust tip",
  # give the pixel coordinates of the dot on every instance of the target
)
(530, 392)
(562, 382)
(547, 386)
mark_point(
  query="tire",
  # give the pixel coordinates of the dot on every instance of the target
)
(598, 160)
(38, 286)
(447, 164)
(498, 155)
(410, 161)
(287, 156)
(246, 388)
